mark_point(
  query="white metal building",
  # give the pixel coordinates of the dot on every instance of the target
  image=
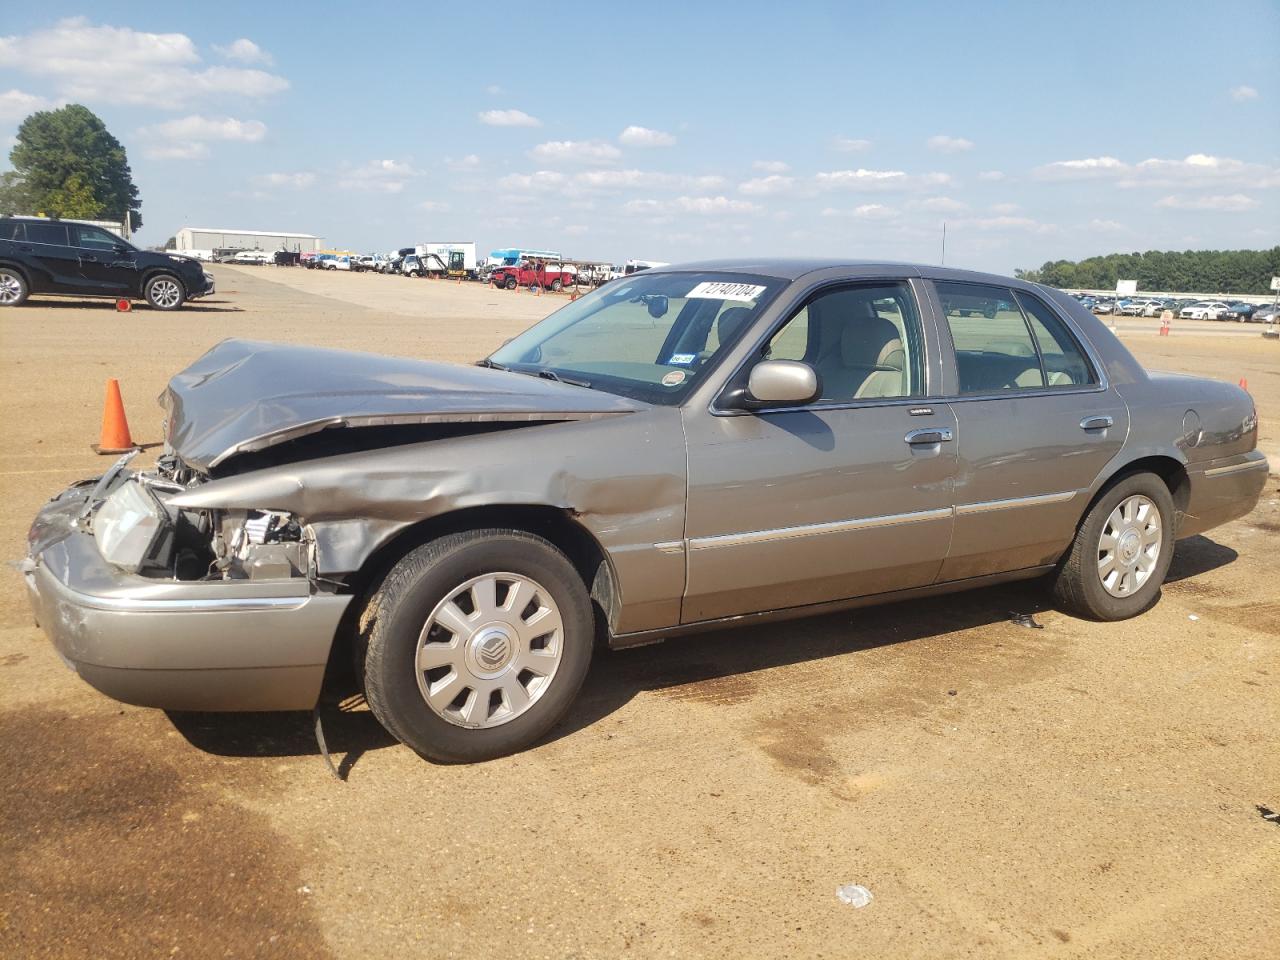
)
(205, 238)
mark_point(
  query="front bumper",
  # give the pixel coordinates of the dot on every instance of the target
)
(202, 290)
(182, 645)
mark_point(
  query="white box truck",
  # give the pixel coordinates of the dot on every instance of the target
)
(454, 258)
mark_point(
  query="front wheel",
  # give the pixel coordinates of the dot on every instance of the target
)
(511, 283)
(556, 286)
(13, 288)
(164, 292)
(476, 644)
(1121, 551)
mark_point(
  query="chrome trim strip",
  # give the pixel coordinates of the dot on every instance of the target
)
(815, 529)
(206, 605)
(670, 546)
(1013, 503)
(1237, 468)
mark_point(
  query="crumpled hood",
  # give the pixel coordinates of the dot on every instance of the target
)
(246, 395)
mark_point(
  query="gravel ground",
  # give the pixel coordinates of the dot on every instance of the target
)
(1077, 790)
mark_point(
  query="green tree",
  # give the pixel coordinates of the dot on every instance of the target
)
(1200, 271)
(66, 163)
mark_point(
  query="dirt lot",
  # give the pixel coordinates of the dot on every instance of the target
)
(1077, 790)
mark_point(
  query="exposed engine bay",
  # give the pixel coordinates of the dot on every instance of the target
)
(138, 530)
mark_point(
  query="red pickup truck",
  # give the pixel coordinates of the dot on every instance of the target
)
(550, 276)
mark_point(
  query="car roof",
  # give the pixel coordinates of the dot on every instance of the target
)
(792, 268)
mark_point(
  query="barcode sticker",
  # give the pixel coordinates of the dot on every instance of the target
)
(719, 290)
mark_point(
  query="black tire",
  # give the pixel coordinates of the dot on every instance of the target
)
(396, 613)
(556, 286)
(14, 288)
(1077, 586)
(158, 292)
(511, 283)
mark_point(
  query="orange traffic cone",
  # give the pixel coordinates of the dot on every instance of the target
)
(1244, 383)
(115, 428)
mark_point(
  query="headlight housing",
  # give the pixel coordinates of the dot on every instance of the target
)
(131, 527)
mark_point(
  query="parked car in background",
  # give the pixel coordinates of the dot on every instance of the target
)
(1265, 314)
(343, 262)
(669, 454)
(286, 258)
(1156, 307)
(1103, 306)
(1137, 306)
(549, 276)
(68, 258)
(1204, 310)
(253, 257)
(1240, 312)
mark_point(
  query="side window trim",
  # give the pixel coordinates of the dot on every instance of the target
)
(919, 289)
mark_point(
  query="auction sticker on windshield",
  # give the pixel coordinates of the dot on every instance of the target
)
(719, 290)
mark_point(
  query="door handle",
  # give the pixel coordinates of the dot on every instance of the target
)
(89, 259)
(1096, 423)
(927, 436)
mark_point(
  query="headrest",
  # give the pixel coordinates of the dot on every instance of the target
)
(730, 322)
(872, 342)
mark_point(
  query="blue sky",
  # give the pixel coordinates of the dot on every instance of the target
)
(679, 131)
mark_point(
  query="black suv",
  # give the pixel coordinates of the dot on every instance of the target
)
(78, 259)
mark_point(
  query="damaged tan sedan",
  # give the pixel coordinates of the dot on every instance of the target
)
(682, 449)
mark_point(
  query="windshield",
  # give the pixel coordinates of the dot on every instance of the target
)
(649, 337)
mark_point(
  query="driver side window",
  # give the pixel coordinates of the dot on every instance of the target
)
(92, 238)
(863, 341)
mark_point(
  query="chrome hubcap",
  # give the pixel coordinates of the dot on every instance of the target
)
(10, 288)
(489, 650)
(164, 293)
(1129, 546)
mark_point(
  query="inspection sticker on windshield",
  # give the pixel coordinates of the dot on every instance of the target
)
(674, 378)
(718, 290)
(683, 359)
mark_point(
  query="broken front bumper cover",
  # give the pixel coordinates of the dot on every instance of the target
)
(182, 645)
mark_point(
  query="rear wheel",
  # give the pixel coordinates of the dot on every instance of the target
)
(511, 283)
(476, 644)
(556, 286)
(13, 288)
(164, 292)
(1121, 552)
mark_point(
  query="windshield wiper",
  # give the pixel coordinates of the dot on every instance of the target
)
(546, 373)
(491, 364)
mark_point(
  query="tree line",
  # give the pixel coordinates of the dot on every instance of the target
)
(1202, 271)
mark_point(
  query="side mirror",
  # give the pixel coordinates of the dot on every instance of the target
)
(781, 382)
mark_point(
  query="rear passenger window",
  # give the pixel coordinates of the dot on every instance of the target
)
(11, 230)
(54, 233)
(994, 347)
(1065, 364)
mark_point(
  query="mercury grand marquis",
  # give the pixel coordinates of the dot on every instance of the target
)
(684, 448)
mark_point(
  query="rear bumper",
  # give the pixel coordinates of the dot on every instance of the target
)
(182, 645)
(1223, 490)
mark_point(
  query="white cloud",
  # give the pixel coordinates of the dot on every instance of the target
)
(294, 181)
(1007, 223)
(634, 136)
(1229, 203)
(576, 229)
(863, 179)
(771, 166)
(98, 64)
(645, 179)
(508, 118)
(765, 186)
(575, 151)
(244, 51)
(178, 151)
(944, 144)
(378, 176)
(1005, 208)
(850, 145)
(494, 90)
(991, 175)
(540, 180)
(433, 206)
(16, 105)
(1106, 226)
(942, 205)
(469, 162)
(1195, 170)
(695, 205)
(196, 127)
(866, 211)
(1242, 93)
